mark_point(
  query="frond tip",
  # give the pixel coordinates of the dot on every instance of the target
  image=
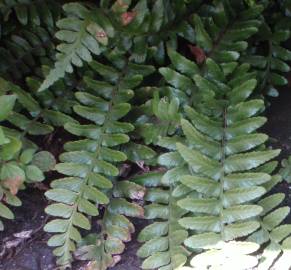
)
(83, 32)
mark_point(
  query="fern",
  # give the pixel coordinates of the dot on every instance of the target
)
(145, 28)
(271, 67)
(179, 147)
(83, 32)
(20, 164)
(60, 98)
(159, 118)
(219, 39)
(33, 12)
(89, 163)
(221, 155)
(141, 31)
(163, 240)
(39, 120)
(285, 169)
(104, 249)
(276, 236)
(26, 49)
(223, 34)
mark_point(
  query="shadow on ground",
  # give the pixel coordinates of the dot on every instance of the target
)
(278, 126)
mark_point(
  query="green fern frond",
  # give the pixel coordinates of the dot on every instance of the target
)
(163, 240)
(33, 12)
(104, 249)
(166, 120)
(83, 32)
(223, 34)
(39, 120)
(146, 27)
(222, 153)
(220, 38)
(60, 98)
(270, 68)
(272, 234)
(20, 164)
(90, 163)
(26, 49)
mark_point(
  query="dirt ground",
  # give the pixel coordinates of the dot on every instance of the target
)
(32, 253)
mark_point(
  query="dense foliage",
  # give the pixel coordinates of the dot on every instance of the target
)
(160, 104)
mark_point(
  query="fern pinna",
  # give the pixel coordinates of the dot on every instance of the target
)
(90, 167)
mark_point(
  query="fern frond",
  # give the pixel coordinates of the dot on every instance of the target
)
(26, 49)
(90, 164)
(83, 32)
(221, 40)
(223, 34)
(166, 120)
(20, 164)
(149, 26)
(274, 235)
(31, 117)
(34, 12)
(270, 68)
(104, 249)
(163, 240)
(221, 153)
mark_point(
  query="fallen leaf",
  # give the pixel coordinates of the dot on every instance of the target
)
(13, 243)
(13, 184)
(198, 53)
(23, 234)
(127, 17)
(116, 259)
(141, 164)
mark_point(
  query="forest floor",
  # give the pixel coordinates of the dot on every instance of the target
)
(23, 243)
